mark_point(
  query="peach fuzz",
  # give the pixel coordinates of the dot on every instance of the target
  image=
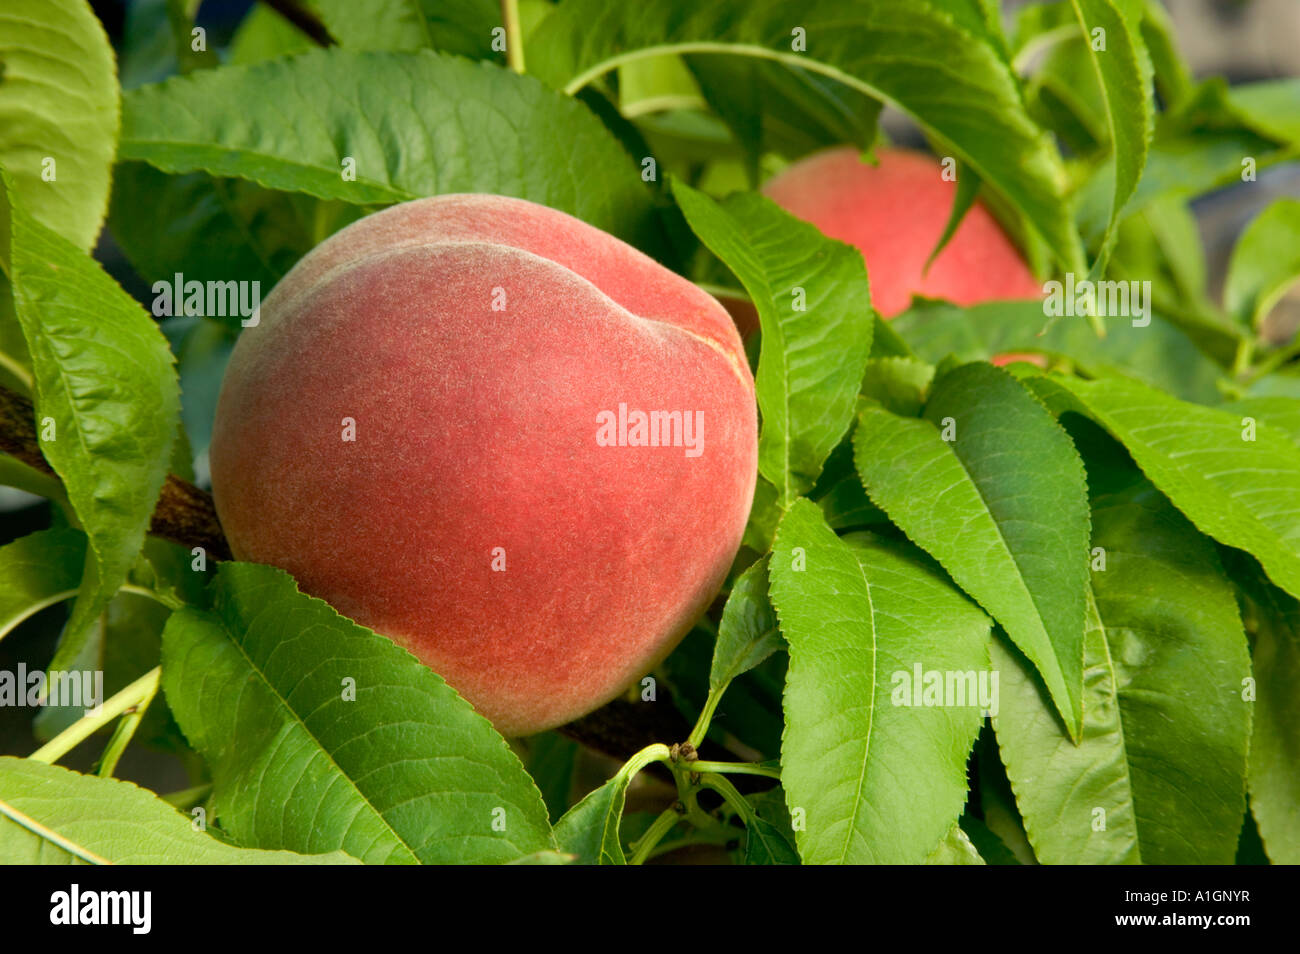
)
(894, 213)
(478, 342)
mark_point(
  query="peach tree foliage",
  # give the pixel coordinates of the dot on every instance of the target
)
(1116, 537)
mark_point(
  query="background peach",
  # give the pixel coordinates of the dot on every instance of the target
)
(894, 212)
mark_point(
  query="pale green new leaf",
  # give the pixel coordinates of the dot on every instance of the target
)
(955, 849)
(875, 776)
(938, 61)
(414, 124)
(263, 686)
(1245, 493)
(59, 105)
(590, 829)
(543, 858)
(1003, 507)
(1265, 262)
(748, 632)
(814, 306)
(107, 403)
(1159, 774)
(52, 816)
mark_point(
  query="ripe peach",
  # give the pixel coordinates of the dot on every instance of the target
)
(894, 213)
(500, 436)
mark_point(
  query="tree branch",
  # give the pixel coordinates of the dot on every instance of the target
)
(184, 514)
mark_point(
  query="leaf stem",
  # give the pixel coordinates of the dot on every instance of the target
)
(188, 797)
(124, 732)
(737, 768)
(651, 753)
(158, 597)
(1273, 361)
(514, 35)
(706, 716)
(19, 372)
(1242, 359)
(67, 740)
(731, 795)
(661, 826)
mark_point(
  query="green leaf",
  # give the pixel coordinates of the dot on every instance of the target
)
(1159, 773)
(1240, 492)
(1158, 353)
(937, 61)
(590, 830)
(990, 848)
(550, 761)
(1264, 263)
(813, 304)
(748, 633)
(543, 858)
(1124, 71)
(955, 849)
(50, 815)
(764, 514)
(1271, 774)
(1275, 748)
(776, 107)
(997, 803)
(452, 26)
(1272, 107)
(968, 189)
(59, 104)
(207, 229)
(899, 384)
(416, 124)
(262, 35)
(875, 778)
(1200, 146)
(1173, 76)
(37, 571)
(1002, 506)
(765, 844)
(1065, 96)
(1280, 412)
(406, 771)
(1161, 243)
(105, 380)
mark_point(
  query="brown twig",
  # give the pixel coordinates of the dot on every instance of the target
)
(184, 513)
(304, 19)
